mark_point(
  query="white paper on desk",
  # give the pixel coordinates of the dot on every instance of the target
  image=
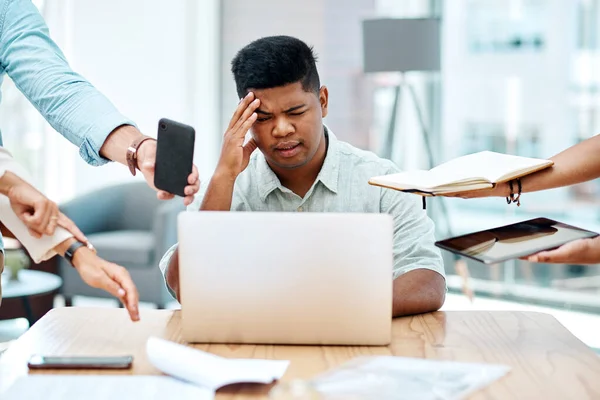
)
(102, 387)
(388, 377)
(208, 370)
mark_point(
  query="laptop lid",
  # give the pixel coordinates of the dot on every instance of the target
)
(289, 278)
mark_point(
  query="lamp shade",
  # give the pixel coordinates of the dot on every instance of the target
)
(401, 45)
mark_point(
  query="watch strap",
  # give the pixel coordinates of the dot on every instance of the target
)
(71, 251)
(132, 161)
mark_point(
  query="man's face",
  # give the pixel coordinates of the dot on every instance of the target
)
(289, 126)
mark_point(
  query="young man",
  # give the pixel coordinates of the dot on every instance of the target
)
(302, 166)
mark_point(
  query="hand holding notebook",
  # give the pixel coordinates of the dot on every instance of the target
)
(471, 172)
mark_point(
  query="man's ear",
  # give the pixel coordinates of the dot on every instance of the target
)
(324, 100)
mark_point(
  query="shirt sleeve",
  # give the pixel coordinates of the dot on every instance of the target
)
(39, 249)
(71, 105)
(164, 266)
(414, 233)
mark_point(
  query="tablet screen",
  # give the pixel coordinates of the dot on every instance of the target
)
(513, 241)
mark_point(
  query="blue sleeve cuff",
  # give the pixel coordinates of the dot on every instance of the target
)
(95, 137)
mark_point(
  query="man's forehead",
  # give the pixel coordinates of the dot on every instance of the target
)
(282, 97)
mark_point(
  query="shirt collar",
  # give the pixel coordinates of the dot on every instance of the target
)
(328, 175)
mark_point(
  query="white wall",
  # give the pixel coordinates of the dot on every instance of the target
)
(476, 86)
(509, 89)
(153, 59)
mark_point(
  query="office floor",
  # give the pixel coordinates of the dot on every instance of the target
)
(584, 326)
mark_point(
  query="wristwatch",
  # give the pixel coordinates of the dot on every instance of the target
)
(131, 156)
(72, 249)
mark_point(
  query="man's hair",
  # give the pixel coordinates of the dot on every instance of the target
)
(275, 61)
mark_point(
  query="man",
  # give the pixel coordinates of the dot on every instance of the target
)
(302, 166)
(67, 101)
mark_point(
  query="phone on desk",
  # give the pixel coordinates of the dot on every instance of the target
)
(174, 156)
(78, 362)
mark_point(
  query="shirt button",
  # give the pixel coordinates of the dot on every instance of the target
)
(300, 209)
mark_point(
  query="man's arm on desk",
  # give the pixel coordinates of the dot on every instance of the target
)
(418, 291)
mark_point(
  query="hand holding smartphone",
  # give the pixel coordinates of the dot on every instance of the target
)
(78, 362)
(174, 156)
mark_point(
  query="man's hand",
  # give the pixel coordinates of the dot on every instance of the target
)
(582, 251)
(115, 148)
(36, 211)
(235, 156)
(109, 277)
(147, 164)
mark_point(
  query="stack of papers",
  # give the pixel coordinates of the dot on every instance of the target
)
(387, 377)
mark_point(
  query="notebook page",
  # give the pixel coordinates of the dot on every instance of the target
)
(207, 370)
(489, 165)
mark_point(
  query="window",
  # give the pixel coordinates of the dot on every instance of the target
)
(513, 84)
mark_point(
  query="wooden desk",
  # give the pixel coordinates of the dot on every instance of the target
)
(548, 362)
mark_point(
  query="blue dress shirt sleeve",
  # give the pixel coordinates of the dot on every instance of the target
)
(39, 69)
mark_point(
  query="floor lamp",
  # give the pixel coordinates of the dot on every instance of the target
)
(403, 45)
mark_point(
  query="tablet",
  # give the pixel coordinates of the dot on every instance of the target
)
(513, 241)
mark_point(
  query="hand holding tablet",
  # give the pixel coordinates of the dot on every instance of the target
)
(518, 240)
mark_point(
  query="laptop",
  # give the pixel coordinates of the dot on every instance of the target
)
(286, 278)
(513, 241)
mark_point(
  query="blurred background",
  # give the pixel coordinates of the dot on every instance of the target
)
(513, 76)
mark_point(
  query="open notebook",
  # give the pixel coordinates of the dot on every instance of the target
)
(471, 172)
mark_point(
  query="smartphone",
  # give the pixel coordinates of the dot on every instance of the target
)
(174, 156)
(77, 362)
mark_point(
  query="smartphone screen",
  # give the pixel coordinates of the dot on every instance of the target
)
(76, 362)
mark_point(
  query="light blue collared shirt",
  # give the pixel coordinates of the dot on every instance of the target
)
(341, 186)
(39, 69)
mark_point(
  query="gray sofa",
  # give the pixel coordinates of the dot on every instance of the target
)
(129, 226)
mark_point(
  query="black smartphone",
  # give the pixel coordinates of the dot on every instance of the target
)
(77, 362)
(174, 156)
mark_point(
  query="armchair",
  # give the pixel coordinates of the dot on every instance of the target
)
(129, 226)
